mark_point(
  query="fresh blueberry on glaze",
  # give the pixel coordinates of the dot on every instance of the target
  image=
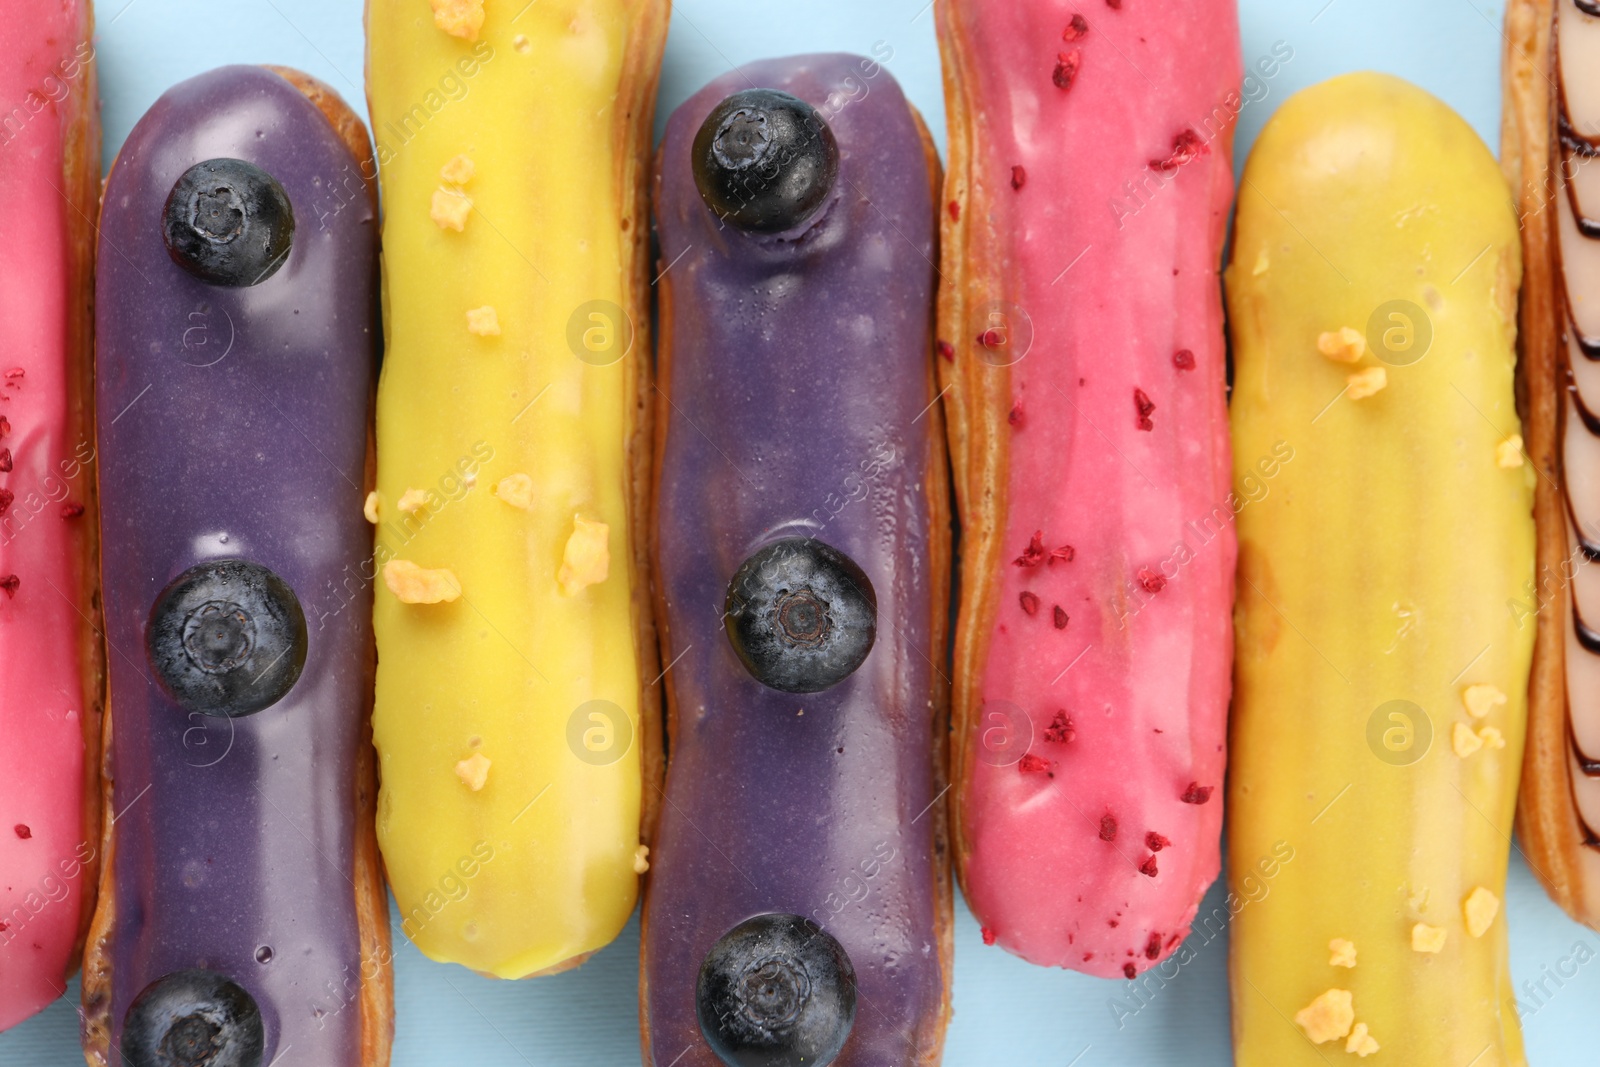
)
(227, 637)
(801, 615)
(192, 1019)
(765, 160)
(228, 222)
(776, 991)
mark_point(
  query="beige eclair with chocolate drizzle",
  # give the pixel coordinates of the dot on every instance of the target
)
(1551, 140)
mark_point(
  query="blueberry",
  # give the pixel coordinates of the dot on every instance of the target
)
(776, 991)
(765, 160)
(228, 222)
(192, 1019)
(227, 637)
(801, 615)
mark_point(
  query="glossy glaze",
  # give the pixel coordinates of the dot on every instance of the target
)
(1577, 191)
(524, 441)
(798, 397)
(1381, 698)
(235, 426)
(49, 704)
(1086, 211)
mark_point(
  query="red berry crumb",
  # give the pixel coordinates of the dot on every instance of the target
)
(955, 211)
(1148, 867)
(1115, 5)
(1183, 359)
(1016, 418)
(1152, 948)
(1197, 793)
(992, 338)
(1066, 71)
(6, 497)
(1066, 554)
(23, 831)
(1150, 581)
(5, 460)
(1155, 842)
(1113, 923)
(947, 350)
(1061, 617)
(1030, 602)
(1185, 147)
(1034, 554)
(1075, 29)
(1144, 405)
(1019, 177)
(1108, 827)
(1031, 764)
(71, 511)
(1060, 731)
(10, 584)
(988, 936)
(1129, 970)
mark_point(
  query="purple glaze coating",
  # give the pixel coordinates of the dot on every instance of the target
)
(259, 455)
(799, 385)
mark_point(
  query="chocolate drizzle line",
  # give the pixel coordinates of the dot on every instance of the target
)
(1576, 144)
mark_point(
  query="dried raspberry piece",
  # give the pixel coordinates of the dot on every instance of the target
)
(1031, 764)
(1061, 731)
(1197, 793)
(1034, 554)
(1066, 71)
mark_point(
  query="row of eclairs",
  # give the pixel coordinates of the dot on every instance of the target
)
(544, 611)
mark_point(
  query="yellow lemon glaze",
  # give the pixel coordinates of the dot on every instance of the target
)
(535, 130)
(1378, 565)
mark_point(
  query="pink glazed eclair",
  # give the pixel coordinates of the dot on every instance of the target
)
(1083, 358)
(50, 695)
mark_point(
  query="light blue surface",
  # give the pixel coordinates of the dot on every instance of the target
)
(1007, 1013)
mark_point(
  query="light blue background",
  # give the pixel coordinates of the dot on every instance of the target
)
(1006, 1012)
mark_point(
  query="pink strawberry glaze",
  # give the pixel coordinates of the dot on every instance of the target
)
(1144, 676)
(41, 692)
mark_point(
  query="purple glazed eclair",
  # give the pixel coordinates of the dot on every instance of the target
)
(241, 908)
(799, 905)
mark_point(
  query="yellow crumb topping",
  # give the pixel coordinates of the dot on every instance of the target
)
(484, 321)
(473, 771)
(1365, 383)
(450, 209)
(1425, 938)
(516, 490)
(459, 18)
(1480, 908)
(1328, 1017)
(1343, 345)
(420, 585)
(587, 559)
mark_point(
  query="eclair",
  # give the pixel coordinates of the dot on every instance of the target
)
(799, 903)
(1080, 326)
(516, 717)
(50, 645)
(242, 915)
(1551, 139)
(1380, 686)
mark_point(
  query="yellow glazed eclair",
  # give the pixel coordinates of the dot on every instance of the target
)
(512, 618)
(1380, 682)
